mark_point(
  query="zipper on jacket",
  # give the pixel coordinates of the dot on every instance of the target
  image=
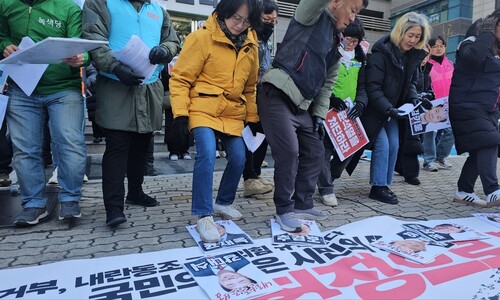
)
(29, 20)
(302, 61)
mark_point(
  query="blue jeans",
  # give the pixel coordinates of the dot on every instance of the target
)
(26, 118)
(437, 145)
(384, 154)
(204, 167)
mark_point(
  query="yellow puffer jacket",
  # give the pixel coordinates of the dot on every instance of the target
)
(213, 84)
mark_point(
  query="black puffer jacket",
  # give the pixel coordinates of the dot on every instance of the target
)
(391, 79)
(475, 94)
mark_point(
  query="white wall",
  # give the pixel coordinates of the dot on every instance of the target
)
(196, 9)
(482, 8)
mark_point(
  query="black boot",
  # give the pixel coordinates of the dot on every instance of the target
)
(383, 194)
(139, 198)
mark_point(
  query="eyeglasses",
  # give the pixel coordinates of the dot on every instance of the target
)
(438, 47)
(351, 41)
(237, 19)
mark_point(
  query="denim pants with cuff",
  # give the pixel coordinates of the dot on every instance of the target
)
(384, 154)
(26, 119)
(203, 170)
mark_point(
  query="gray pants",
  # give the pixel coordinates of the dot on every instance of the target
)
(297, 150)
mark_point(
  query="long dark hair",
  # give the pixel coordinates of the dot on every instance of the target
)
(227, 8)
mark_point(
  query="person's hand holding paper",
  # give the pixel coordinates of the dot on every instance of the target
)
(75, 60)
(9, 50)
(252, 141)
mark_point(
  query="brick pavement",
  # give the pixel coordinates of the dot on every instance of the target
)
(163, 227)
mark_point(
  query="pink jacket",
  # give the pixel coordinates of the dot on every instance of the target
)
(441, 77)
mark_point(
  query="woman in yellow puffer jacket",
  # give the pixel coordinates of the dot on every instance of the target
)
(212, 89)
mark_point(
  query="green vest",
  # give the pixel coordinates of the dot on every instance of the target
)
(347, 81)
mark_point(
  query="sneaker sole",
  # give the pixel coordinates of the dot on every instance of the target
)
(116, 221)
(310, 217)
(23, 223)
(286, 228)
(493, 203)
(226, 216)
(255, 194)
(336, 203)
(475, 204)
(68, 217)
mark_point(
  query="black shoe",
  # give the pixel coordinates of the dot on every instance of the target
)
(383, 194)
(115, 217)
(413, 181)
(141, 199)
(150, 170)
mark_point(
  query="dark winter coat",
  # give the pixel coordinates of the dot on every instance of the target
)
(391, 79)
(475, 94)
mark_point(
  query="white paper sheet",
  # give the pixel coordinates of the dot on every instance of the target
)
(26, 76)
(252, 141)
(136, 55)
(3, 107)
(51, 50)
(407, 108)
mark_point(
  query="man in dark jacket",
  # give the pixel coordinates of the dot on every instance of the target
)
(303, 73)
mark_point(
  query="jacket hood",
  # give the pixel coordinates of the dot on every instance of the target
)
(212, 25)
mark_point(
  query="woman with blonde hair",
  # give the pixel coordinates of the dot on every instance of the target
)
(391, 76)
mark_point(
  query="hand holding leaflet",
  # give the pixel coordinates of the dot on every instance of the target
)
(135, 54)
(407, 108)
(26, 76)
(252, 141)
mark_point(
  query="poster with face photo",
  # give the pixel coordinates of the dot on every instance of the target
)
(309, 236)
(231, 236)
(423, 120)
(229, 276)
(490, 218)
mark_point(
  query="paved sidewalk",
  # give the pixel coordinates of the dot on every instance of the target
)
(163, 227)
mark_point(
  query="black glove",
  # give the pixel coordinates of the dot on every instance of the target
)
(337, 103)
(318, 126)
(255, 127)
(487, 25)
(356, 111)
(394, 113)
(158, 55)
(426, 103)
(181, 126)
(127, 75)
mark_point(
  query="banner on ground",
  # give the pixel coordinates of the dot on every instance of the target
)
(346, 267)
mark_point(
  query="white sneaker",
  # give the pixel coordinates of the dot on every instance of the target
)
(469, 198)
(493, 199)
(227, 211)
(174, 157)
(264, 164)
(222, 153)
(217, 154)
(330, 200)
(207, 230)
(186, 156)
(85, 178)
(53, 178)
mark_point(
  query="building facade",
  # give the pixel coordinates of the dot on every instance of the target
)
(188, 15)
(449, 18)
